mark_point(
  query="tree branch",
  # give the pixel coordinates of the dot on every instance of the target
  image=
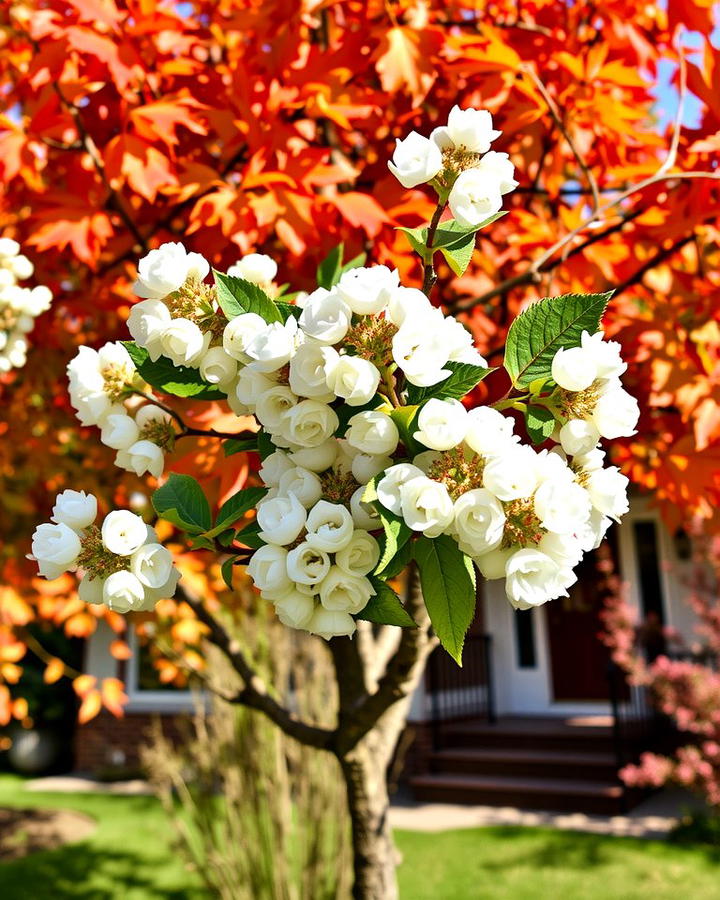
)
(255, 693)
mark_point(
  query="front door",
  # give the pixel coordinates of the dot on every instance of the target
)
(578, 658)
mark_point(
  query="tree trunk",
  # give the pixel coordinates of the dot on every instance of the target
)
(374, 853)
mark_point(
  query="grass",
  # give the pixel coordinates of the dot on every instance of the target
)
(129, 857)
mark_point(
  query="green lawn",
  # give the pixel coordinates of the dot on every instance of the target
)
(129, 857)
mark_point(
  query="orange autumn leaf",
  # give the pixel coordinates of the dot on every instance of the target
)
(91, 705)
(54, 671)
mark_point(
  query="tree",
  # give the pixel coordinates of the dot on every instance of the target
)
(127, 127)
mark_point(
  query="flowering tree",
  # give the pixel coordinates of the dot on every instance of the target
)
(370, 461)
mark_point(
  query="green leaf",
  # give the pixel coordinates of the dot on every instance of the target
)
(540, 423)
(249, 536)
(400, 560)
(163, 374)
(448, 586)
(226, 570)
(354, 263)
(417, 238)
(405, 417)
(235, 507)
(239, 445)
(453, 240)
(330, 269)
(345, 412)
(287, 309)
(237, 296)
(181, 501)
(463, 378)
(265, 445)
(201, 543)
(543, 328)
(459, 255)
(397, 534)
(385, 607)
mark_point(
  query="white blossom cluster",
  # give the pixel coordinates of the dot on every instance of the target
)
(19, 306)
(121, 563)
(101, 391)
(457, 157)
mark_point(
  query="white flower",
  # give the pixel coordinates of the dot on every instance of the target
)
(327, 624)
(325, 316)
(365, 467)
(307, 371)
(416, 160)
(479, 521)
(489, 432)
(566, 550)
(76, 509)
(589, 462)
(56, 544)
(238, 333)
(354, 379)
(407, 302)
(426, 506)
(281, 519)
(255, 267)
(442, 424)
(562, 506)
(268, 568)
(38, 300)
(390, 485)
(21, 267)
(141, 457)
(468, 129)
(616, 413)
(309, 424)
(605, 354)
(364, 514)
(307, 564)
(123, 591)
(90, 590)
(8, 248)
(272, 405)
(119, 431)
(341, 592)
(360, 556)
(532, 578)
(474, 197)
(372, 432)
(218, 367)
(367, 289)
(573, 369)
(317, 459)
(152, 564)
(274, 467)
(419, 348)
(272, 347)
(150, 414)
(460, 344)
(165, 269)
(608, 492)
(512, 475)
(499, 166)
(250, 385)
(146, 323)
(123, 532)
(301, 483)
(329, 526)
(578, 436)
(595, 529)
(183, 342)
(295, 609)
(491, 565)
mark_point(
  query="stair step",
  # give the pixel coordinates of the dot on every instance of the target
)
(529, 735)
(567, 795)
(525, 762)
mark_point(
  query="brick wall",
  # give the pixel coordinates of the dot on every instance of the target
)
(109, 743)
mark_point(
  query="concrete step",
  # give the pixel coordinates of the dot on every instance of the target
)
(525, 762)
(564, 795)
(529, 734)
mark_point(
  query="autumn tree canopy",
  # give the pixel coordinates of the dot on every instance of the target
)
(239, 126)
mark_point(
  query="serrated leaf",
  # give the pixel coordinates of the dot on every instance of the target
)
(448, 586)
(459, 255)
(417, 238)
(235, 507)
(543, 328)
(181, 501)
(462, 379)
(540, 423)
(239, 445)
(405, 417)
(287, 309)
(249, 536)
(401, 559)
(396, 533)
(330, 269)
(265, 445)
(236, 296)
(163, 374)
(452, 232)
(385, 607)
(201, 543)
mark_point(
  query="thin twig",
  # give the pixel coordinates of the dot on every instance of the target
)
(429, 276)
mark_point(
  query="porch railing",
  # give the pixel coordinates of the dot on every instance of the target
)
(461, 693)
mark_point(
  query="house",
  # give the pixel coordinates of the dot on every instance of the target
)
(527, 721)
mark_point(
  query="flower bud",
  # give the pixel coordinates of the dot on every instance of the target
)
(307, 564)
(325, 316)
(123, 591)
(426, 506)
(281, 519)
(573, 369)
(341, 592)
(239, 332)
(474, 197)
(360, 556)
(123, 532)
(152, 564)
(416, 160)
(268, 568)
(255, 267)
(329, 624)
(76, 509)
(166, 269)
(354, 379)
(56, 544)
(373, 432)
(367, 289)
(119, 431)
(218, 367)
(309, 424)
(295, 609)
(183, 342)
(442, 424)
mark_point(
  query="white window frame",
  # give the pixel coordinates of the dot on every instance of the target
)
(140, 700)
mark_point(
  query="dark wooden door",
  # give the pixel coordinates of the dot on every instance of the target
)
(578, 658)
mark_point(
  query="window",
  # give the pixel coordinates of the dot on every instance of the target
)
(525, 638)
(145, 690)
